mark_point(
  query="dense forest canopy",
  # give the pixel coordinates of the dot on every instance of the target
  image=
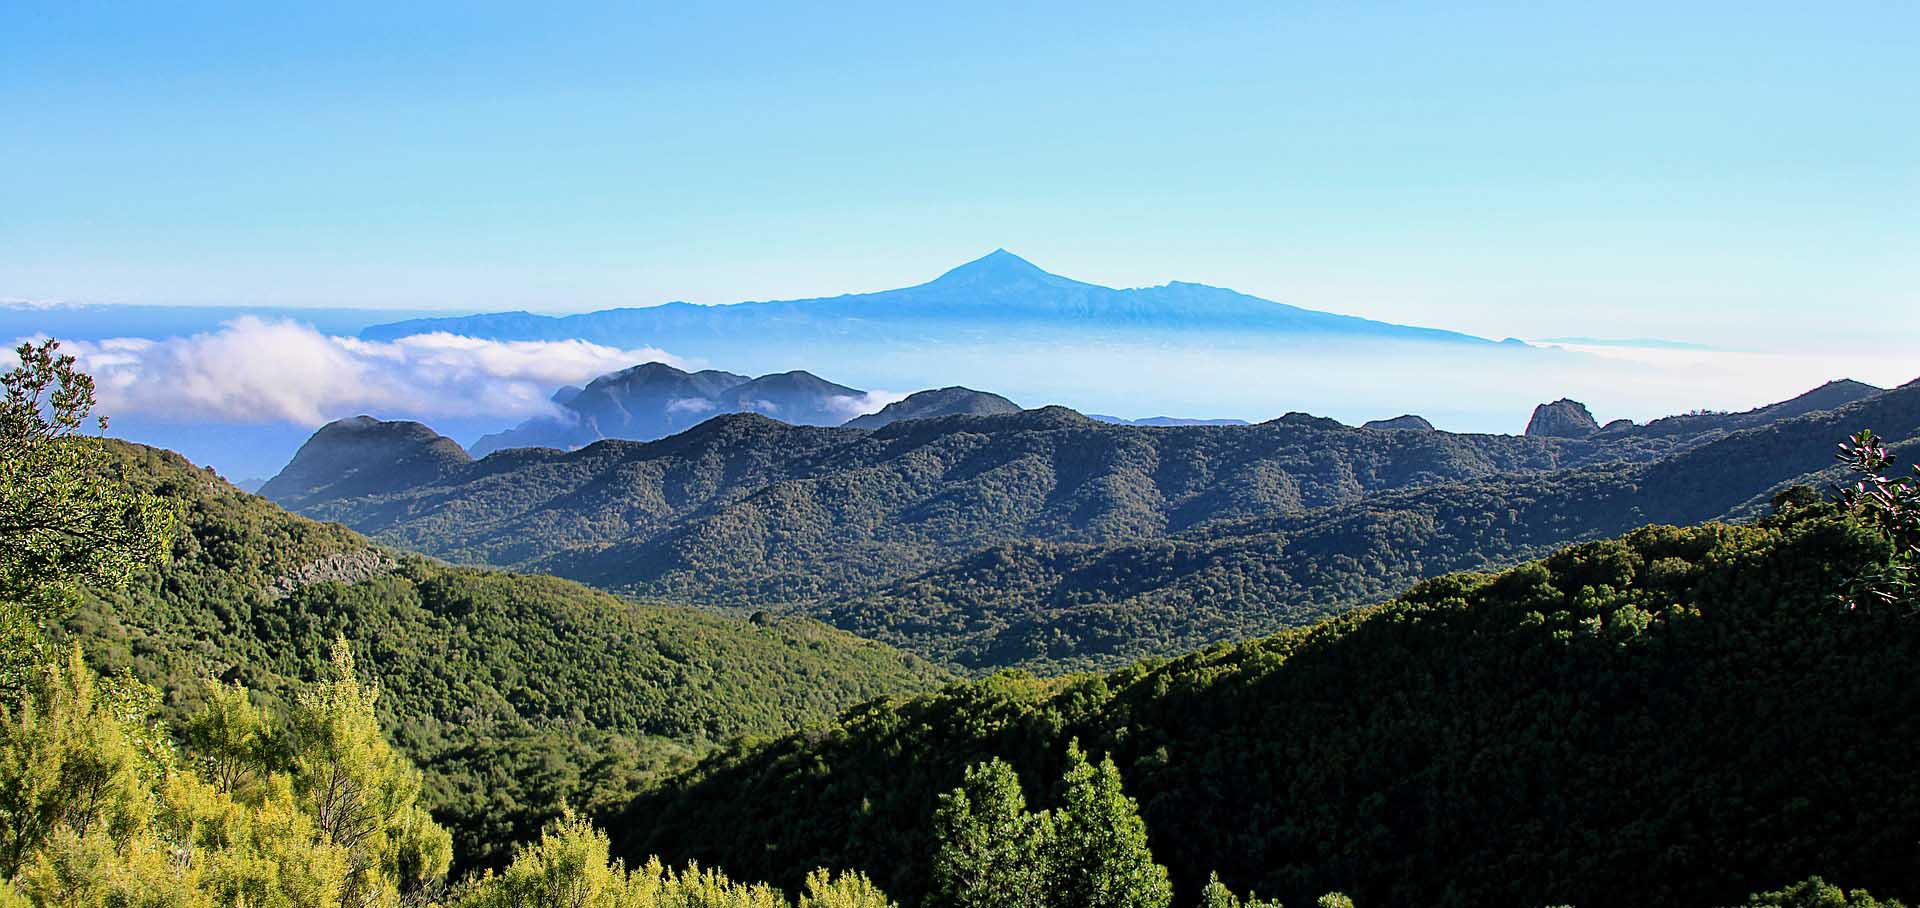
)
(1675, 717)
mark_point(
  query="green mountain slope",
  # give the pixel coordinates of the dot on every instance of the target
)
(515, 692)
(1046, 540)
(1677, 717)
(1053, 606)
(746, 509)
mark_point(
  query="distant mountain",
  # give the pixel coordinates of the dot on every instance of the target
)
(1645, 343)
(364, 456)
(795, 398)
(655, 400)
(1165, 421)
(1408, 421)
(998, 296)
(1063, 606)
(1047, 539)
(652, 400)
(1830, 396)
(955, 401)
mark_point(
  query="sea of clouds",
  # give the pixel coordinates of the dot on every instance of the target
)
(255, 370)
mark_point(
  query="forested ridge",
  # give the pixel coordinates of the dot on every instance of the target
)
(518, 693)
(1045, 540)
(1675, 717)
(1054, 606)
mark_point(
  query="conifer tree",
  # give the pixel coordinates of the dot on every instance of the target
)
(1216, 895)
(1098, 856)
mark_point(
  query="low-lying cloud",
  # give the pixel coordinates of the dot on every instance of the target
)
(255, 370)
(870, 402)
(691, 405)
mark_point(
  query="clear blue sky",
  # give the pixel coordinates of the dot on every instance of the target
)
(1743, 173)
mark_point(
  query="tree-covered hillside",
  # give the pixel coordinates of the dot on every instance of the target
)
(1050, 541)
(1054, 606)
(747, 509)
(516, 693)
(1677, 717)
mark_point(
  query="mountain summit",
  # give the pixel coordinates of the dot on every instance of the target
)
(999, 269)
(999, 297)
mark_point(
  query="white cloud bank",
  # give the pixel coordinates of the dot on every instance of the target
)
(870, 402)
(255, 370)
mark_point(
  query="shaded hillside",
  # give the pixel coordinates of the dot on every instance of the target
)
(1060, 606)
(1052, 541)
(514, 692)
(364, 456)
(955, 401)
(1830, 396)
(654, 400)
(748, 510)
(651, 400)
(1675, 718)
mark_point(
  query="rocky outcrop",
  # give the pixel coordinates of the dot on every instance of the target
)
(339, 567)
(1562, 419)
(1406, 421)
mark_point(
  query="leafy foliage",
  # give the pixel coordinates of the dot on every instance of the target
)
(569, 867)
(1815, 892)
(59, 526)
(1098, 856)
(1892, 504)
(1091, 853)
(992, 852)
(100, 811)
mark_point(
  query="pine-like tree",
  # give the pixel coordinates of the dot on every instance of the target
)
(1216, 895)
(1098, 856)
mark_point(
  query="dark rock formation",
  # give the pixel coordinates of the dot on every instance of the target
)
(1562, 419)
(1407, 421)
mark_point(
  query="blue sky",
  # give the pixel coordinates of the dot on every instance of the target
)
(1743, 174)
